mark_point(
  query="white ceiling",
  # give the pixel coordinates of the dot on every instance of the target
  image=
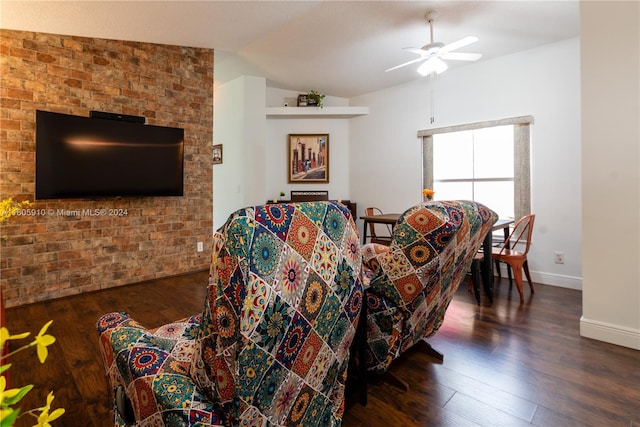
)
(340, 48)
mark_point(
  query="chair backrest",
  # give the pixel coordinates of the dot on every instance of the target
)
(372, 210)
(282, 306)
(521, 233)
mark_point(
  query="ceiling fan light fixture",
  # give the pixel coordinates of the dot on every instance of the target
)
(433, 65)
(432, 54)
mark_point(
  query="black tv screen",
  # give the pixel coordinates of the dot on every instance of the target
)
(82, 157)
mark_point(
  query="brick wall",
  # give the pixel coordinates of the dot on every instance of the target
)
(55, 255)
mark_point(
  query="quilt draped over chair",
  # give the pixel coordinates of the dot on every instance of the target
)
(272, 344)
(413, 280)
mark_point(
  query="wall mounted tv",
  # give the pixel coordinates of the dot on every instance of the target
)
(88, 157)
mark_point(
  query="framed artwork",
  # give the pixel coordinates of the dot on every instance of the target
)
(217, 154)
(308, 158)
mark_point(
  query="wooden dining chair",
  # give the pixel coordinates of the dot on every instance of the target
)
(514, 258)
(382, 240)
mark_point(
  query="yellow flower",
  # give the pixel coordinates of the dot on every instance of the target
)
(427, 192)
(7, 394)
(45, 417)
(10, 398)
(42, 341)
(5, 336)
(8, 416)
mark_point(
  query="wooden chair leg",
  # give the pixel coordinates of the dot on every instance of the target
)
(517, 277)
(508, 272)
(427, 348)
(422, 345)
(525, 266)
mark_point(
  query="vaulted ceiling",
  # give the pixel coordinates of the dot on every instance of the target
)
(340, 48)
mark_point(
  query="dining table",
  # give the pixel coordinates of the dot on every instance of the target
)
(388, 219)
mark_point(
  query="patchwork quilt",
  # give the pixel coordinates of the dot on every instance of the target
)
(412, 281)
(272, 344)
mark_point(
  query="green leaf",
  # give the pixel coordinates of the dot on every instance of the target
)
(10, 419)
(23, 391)
(5, 367)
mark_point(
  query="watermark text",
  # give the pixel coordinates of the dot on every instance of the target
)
(100, 212)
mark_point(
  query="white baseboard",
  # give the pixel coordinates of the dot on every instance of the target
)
(589, 328)
(559, 280)
(607, 332)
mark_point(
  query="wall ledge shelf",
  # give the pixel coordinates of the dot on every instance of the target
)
(315, 112)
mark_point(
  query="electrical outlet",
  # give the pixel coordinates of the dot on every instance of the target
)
(200, 247)
(559, 257)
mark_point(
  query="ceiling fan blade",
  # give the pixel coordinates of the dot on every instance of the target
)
(458, 44)
(416, 50)
(460, 56)
(405, 64)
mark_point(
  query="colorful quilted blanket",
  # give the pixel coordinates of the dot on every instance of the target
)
(413, 280)
(272, 344)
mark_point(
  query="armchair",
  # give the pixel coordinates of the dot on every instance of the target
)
(412, 281)
(271, 346)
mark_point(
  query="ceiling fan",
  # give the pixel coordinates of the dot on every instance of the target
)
(433, 54)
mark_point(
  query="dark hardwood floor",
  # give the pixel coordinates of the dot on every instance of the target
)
(505, 365)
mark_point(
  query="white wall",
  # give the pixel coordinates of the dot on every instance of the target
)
(610, 53)
(276, 154)
(254, 167)
(239, 125)
(386, 155)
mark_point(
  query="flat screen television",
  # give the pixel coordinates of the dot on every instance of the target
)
(83, 157)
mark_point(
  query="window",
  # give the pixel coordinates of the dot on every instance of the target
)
(487, 162)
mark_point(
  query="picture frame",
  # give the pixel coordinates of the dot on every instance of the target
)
(217, 154)
(308, 158)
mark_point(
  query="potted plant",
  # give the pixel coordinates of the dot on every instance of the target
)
(282, 195)
(315, 98)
